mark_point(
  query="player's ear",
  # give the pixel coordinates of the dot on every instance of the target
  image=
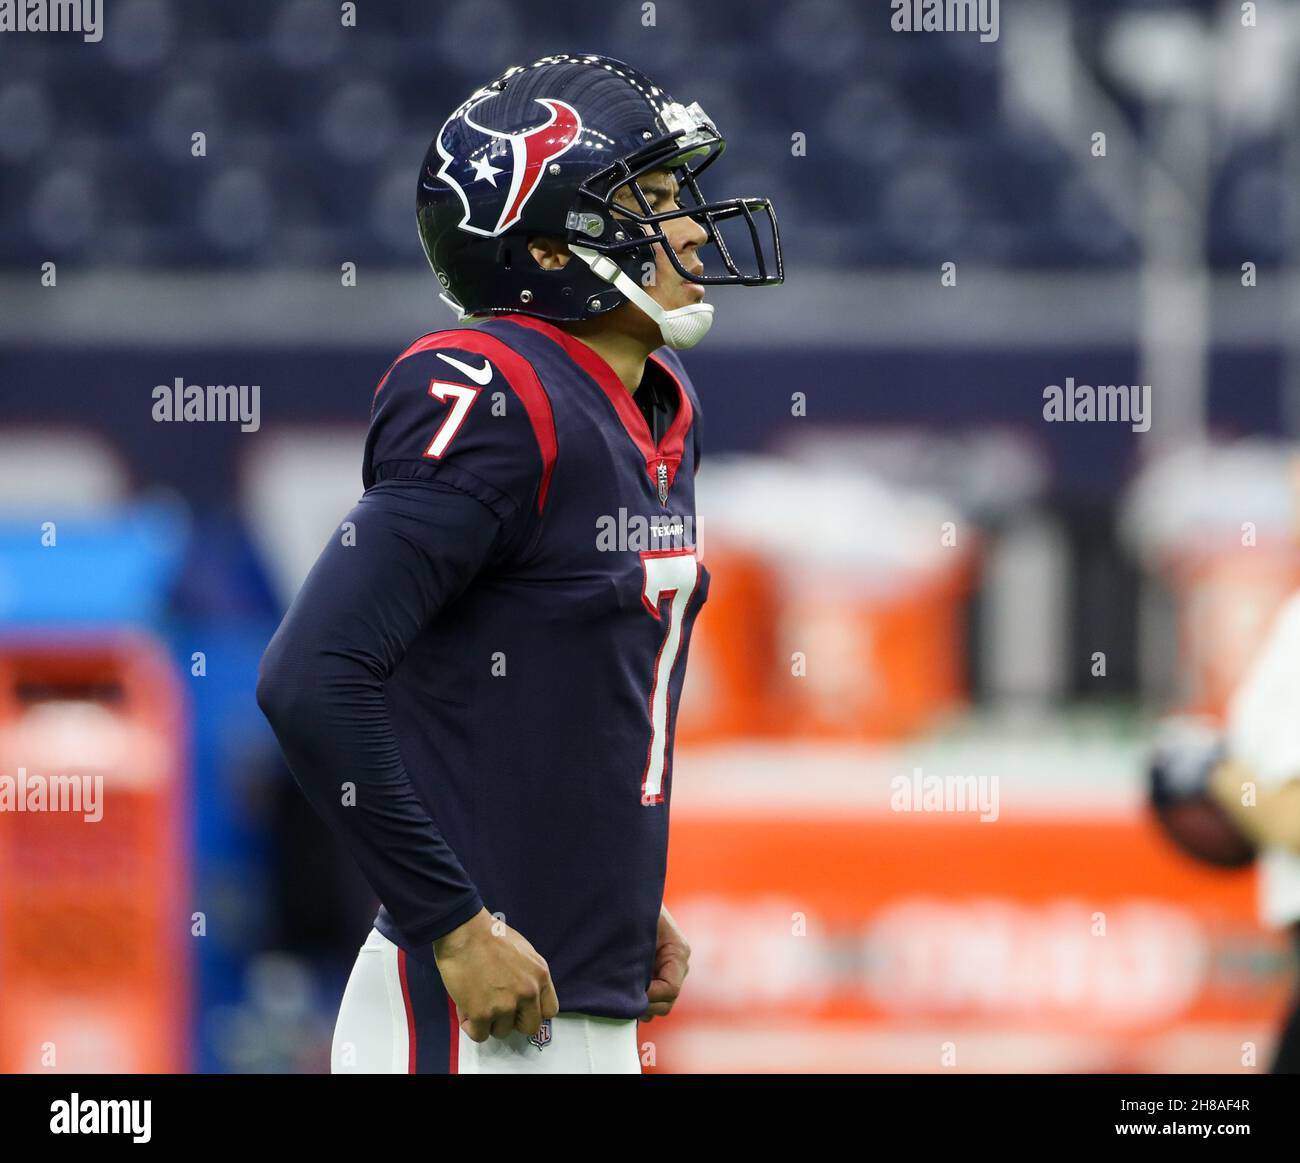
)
(551, 254)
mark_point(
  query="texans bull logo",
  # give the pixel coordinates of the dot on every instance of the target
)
(501, 170)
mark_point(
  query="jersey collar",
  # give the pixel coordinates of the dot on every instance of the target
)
(669, 450)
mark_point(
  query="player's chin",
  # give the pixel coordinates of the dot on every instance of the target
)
(691, 293)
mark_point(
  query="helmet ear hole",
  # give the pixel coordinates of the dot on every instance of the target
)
(505, 257)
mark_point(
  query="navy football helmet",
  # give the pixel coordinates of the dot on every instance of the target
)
(543, 151)
(1187, 751)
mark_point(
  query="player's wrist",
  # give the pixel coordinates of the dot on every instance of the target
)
(478, 926)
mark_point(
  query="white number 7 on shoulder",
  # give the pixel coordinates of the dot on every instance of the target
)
(669, 574)
(463, 396)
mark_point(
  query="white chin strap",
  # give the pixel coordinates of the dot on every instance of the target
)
(682, 327)
(456, 309)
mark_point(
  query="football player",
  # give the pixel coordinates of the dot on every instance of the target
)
(1230, 796)
(477, 684)
(1257, 784)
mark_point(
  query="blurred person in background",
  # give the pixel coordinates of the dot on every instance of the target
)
(1232, 796)
(469, 688)
(1257, 784)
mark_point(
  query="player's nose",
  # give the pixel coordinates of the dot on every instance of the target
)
(691, 234)
(686, 240)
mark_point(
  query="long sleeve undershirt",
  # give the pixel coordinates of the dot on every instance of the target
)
(417, 545)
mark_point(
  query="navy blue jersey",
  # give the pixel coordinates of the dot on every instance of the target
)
(534, 708)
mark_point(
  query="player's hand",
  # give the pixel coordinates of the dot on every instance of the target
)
(672, 957)
(498, 981)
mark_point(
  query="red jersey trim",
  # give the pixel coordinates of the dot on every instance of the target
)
(521, 377)
(453, 1052)
(410, 1012)
(670, 448)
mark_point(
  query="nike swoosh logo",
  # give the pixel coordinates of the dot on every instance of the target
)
(480, 375)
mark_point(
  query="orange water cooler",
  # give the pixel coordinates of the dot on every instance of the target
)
(94, 893)
(823, 653)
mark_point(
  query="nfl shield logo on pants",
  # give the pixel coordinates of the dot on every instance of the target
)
(543, 1035)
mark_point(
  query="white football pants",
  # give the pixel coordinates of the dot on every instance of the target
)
(396, 1018)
